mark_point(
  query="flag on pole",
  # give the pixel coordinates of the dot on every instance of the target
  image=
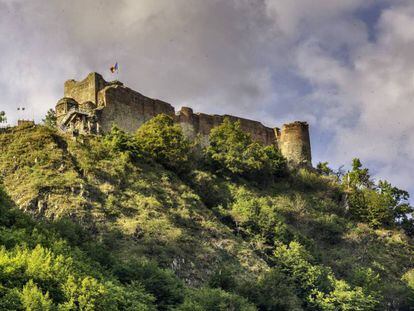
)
(114, 68)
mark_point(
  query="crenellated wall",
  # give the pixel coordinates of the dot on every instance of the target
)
(128, 109)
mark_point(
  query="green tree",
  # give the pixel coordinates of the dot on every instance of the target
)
(119, 140)
(376, 204)
(397, 200)
(310, 280)
(362, 194)
(323, 169)
(232, 150)
(162, 139)
(50, 119)
(276, 162)
(3, 118)
(358, 177)
(229, 148)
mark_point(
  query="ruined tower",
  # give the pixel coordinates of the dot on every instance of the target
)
(294, 143)
(93, 105)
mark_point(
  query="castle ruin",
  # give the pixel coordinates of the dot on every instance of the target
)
(93, 105)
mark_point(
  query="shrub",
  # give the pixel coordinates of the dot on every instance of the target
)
(212, 190)
(316, 284)
(163, 284)
(39, 271)
(343, 297)
(272, 291)
(223, 278)
(258, 218)
(408, 279)
(50, 281)
(329, 228)
(33, 299)
(208, 299)
(310, 181)
(367, 279)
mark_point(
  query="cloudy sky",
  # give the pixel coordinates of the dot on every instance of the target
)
(346, 67)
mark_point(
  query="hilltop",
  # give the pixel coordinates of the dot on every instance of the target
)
(93, 105)
(195, 230)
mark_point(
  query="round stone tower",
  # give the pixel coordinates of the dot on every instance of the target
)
(294, 144)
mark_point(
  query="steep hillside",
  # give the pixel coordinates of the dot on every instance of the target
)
(283, 245)
(142, 209)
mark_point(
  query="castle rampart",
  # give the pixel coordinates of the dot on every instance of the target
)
(92, 105)
(202, 123)
(127, 108)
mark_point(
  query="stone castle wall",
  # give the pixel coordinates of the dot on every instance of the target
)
(84, 90)
(201, 123)
(113, 103)
(127, 108)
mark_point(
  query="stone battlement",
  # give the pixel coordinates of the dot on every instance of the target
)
(92, 105)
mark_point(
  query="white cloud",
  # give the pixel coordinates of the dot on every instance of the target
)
(373, 94)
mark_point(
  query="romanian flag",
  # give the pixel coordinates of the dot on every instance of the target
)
(114, 67)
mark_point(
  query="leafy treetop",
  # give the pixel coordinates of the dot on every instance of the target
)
(50, 119)
(3, 118)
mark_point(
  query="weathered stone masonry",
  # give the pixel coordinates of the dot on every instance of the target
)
(92, 105)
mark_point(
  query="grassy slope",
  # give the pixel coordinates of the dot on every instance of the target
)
(138, 210)
(142, 210)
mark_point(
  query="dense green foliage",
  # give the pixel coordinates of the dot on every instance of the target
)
(207, 299)
(162, 140)
(143, 222)
(377, 204)
(233, 150)
(39, 270)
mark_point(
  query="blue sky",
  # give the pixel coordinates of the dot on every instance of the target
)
(346, 67)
